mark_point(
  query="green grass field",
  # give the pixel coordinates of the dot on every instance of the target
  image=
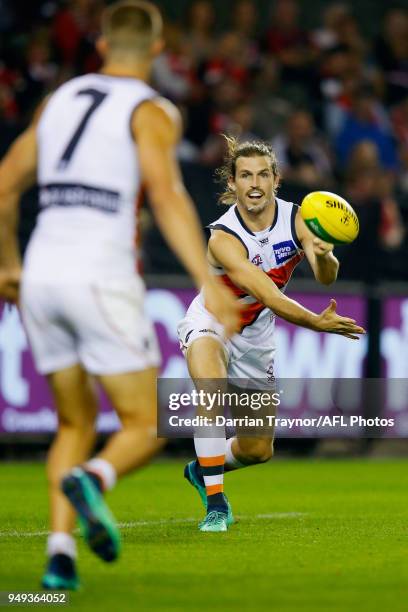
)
(312, 535)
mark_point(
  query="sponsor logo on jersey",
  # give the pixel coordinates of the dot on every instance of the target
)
(284, 251)
(68, 195)
(264, 240)
(188, 335)
(208, 331)
(257, 260)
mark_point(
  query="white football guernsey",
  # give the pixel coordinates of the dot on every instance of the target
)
(89, 182)
(250, 354)
(276, 250)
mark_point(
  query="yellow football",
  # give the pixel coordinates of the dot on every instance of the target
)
(330, 217)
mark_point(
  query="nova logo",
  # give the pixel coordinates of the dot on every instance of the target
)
(284, 250)
(257, 260)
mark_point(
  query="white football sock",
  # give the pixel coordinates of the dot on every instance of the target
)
(63, 543)
(104, 470)
(231, 462)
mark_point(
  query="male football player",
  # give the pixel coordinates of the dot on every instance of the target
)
(254, 248)
(91, 147)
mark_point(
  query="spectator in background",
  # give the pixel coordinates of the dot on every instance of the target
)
(200, 30)
(230, 60)
(242, 123)
(39, 73)
(87, 57)
(399, 117)
(366, 120)
(391, 53)
(174, 70)
(289, 43)
(342, 76)
(9, 82)
(245, 25)
(225, 97)
(69, 26)
(302, 155)
(326, 37)
(365, 159)
(8, 105)
(271, 108)
(349, 34)
(369, 188)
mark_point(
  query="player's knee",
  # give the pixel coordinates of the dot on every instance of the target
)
(258, 451)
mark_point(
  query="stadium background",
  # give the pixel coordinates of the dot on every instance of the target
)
(327, 84)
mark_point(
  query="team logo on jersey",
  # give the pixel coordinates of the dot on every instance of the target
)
(270, 374)
(257, 260)
(284, 251)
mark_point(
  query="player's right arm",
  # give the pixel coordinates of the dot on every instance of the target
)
(156, 128)
(229, 253)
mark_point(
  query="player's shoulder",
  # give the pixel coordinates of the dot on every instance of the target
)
(227, 226)
(160, 109)
(227, 220)
(159, 115)
(287, 204)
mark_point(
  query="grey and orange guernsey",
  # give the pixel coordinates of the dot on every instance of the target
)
(277, 251)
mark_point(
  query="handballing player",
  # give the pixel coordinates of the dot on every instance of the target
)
(91, 146)
(254, 248)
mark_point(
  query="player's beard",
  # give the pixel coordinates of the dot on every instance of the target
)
(255, 208)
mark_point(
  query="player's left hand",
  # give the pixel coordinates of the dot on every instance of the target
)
(322, 248)
(9, 285)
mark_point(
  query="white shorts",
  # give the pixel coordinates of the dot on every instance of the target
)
(102, 326)
(250, 361)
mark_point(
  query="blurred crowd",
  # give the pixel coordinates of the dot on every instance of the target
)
(332, 100)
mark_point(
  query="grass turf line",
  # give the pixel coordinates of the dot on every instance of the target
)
(346, 551)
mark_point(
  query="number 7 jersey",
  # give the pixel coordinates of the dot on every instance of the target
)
(89, 181)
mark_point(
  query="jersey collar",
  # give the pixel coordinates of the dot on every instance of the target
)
(244, 225)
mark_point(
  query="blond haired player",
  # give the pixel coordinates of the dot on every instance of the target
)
(254, 248)
(92, 145)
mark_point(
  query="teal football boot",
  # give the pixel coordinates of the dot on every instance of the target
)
(190, 474)
(60, 574)
(98, 526)
(214, 521)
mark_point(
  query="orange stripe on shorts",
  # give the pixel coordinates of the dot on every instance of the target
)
(211, 461)
(213, 489)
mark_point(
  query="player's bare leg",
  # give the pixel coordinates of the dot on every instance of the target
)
(245, 451)
(133, 395)
(76, 404)
(77, 407)
(207, 366)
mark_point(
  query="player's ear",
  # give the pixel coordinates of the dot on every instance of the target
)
(102, 46)
(231, 184)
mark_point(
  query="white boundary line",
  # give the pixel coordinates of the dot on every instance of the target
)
(273, 515)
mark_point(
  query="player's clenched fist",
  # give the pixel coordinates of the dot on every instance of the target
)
(222, 304)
